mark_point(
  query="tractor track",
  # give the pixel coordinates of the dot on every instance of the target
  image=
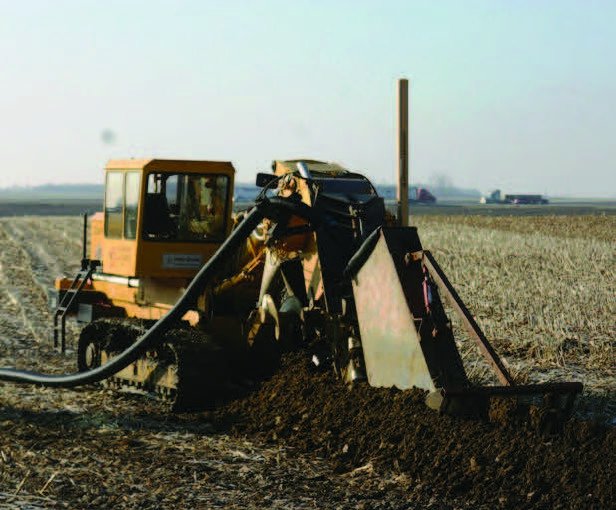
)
(32, 256)
(22, 292)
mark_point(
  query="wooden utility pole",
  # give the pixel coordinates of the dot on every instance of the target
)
(402, 191)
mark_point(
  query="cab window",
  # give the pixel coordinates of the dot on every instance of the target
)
(121, 204)
(131, 204)
(114, 204)
(185, 207)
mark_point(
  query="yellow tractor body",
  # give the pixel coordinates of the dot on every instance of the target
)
(162, 220)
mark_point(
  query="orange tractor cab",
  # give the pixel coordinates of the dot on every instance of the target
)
(162, 220)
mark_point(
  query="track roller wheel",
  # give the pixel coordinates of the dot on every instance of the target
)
(89, 347)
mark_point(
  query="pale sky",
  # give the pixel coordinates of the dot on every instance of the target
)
(519, 95)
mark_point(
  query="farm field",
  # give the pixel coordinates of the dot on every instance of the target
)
(541, 287)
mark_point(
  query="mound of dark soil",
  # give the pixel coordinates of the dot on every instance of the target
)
(473, 462)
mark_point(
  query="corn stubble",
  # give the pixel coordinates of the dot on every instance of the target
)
(541, 288)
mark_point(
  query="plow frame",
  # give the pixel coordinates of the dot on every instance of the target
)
(559, 395)
(407, 336)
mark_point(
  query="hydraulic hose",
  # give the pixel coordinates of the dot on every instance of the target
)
(273, 208)
(151, 336)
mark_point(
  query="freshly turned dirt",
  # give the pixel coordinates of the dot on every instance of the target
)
(466, 462)
(302, 440)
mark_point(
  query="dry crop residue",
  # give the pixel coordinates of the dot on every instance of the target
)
(303, 440)
(542, 289)
(34, 252)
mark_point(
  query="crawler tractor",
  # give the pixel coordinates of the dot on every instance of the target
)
(185, 299)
